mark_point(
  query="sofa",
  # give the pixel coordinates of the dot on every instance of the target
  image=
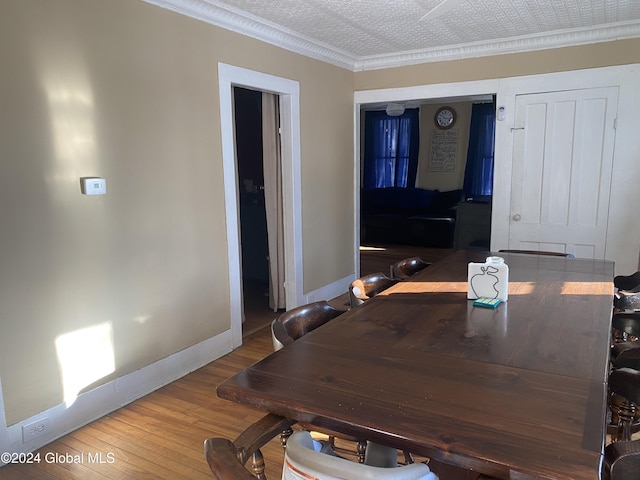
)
(409, 216)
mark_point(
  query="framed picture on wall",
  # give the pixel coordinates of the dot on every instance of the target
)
(444, 145)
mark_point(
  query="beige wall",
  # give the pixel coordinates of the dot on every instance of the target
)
(128, 91)
(439, 180)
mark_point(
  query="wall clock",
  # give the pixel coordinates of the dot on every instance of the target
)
(445, 118)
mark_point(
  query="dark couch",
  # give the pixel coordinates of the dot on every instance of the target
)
(409, 216)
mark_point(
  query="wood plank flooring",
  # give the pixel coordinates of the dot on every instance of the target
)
(161, 435)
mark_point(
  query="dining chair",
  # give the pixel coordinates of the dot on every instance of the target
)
(627, 282)
(304, 459)
(625, 325)
(227, 459)
(624, 383)
(297, 322)
(622, 456)
(539, 252)
(625, 300)
(292, 325)
(407, 267)
(625, 353)
(622, 460)
(369, 286)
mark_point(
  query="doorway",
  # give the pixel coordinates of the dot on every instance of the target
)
(447, 203)
(289, 101)
(254, 234)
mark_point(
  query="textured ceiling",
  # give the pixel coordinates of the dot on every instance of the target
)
(366, 34)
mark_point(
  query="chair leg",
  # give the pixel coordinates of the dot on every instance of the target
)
(284, 436)
(408, 458)
(626, 413)
(257, 465)
(361, 449)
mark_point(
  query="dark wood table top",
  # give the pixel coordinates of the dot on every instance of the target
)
(516, 392)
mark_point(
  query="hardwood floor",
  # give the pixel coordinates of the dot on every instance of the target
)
(161, 435)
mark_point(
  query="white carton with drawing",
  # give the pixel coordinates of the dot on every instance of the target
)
(489, 279)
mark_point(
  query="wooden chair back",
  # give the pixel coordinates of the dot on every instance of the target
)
(369, 286)
(624, 300)
(299, 321)
(407, 267)
(627, 322)
(627, 282)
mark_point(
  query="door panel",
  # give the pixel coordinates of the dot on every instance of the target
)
(563, 151)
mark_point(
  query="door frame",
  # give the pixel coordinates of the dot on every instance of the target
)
(288, 91)
(625, 249)
(444, 92)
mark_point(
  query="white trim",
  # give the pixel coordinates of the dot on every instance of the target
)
(333, 290)
(115, 394)
(519, 44)
(235, 20)
(357, 125)
(289, 92)
(4, 437)
(221, 15)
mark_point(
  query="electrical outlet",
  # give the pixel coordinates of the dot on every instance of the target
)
(36, 429)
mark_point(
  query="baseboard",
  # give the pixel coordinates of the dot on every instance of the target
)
(335, 289)
(89, 406)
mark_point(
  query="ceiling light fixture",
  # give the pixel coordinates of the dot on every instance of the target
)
(395, 109)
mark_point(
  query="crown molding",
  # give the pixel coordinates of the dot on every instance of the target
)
(521, 44)
(226, 17)
(220, 15)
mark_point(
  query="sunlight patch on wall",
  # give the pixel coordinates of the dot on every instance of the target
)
(64, 70)
(85, 356)
(72, 124)
(142, 319)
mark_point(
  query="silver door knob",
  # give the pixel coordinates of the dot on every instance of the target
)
(516, 217)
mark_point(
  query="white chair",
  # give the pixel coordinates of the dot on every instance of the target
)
(304, 459)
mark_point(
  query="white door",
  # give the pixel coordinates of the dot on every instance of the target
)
(561, 182)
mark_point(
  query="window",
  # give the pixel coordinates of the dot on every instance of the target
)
(391, 149)
(478, 175)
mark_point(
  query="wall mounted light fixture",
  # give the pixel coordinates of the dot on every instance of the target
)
(395, 109)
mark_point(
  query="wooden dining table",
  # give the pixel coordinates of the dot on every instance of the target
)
(516, 392)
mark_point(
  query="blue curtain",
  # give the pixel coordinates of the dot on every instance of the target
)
(478, 175)
(391, 149)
